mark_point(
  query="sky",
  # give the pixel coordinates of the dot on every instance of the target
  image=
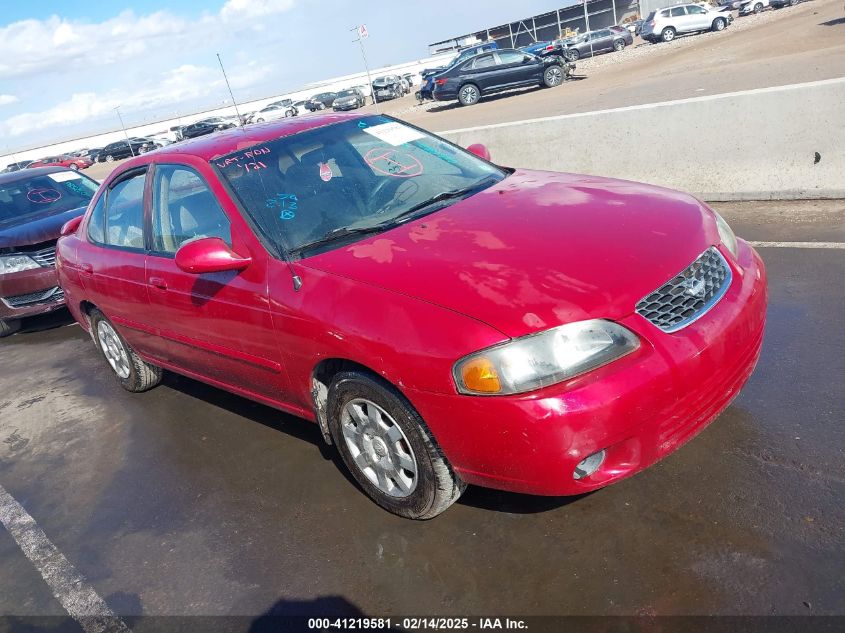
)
(65, 66)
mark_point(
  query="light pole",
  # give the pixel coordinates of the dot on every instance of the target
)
(123, 127)
(362, 33)
(587, 24)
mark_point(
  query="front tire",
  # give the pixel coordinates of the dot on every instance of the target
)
(719, 24)
(619, 45)
(468, 95)
(553, 76)
(7, 328)
(387, 447)
(74, 166)
(758, 7)
(132, 372)
(109, 158)
(668, 34)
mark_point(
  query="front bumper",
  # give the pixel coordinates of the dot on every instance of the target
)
(638, 409)
(29, 292)
(345, 106)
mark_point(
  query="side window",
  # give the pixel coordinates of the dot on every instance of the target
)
(511, 57)
(96, 223)
(125, 213)
(678, 12)
(693, 10)
(485, 61)
(664, 13)
(184, 208)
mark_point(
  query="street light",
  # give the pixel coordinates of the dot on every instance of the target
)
(123, 127)
(362, 33)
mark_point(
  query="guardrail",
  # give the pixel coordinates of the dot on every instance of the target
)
(785, 142)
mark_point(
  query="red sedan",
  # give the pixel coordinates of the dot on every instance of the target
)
(71, 162)
(444, 320)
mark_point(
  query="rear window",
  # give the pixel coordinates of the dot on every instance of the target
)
(47, 194)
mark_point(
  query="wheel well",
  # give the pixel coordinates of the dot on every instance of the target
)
(322, 377)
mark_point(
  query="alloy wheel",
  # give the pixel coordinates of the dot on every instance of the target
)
(113, 349)
(379, 447)
(469, 95)
(554, 76)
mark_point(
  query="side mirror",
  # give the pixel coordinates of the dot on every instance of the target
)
(69, 227)
(209, 255)
(480, 150)
(526, 59)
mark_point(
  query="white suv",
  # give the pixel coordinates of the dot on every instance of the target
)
(664, 24)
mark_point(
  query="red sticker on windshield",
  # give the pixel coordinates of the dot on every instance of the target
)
(325, 172)
(43, 195)
(389, 162)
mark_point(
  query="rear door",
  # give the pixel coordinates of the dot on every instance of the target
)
(483, 71)
(680, 20)
(114, 256)
(214, 325)
(602, 41)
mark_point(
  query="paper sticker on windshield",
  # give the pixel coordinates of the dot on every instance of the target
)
(393, 133)
(64, 176)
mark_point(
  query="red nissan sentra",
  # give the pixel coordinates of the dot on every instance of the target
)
(444, 320)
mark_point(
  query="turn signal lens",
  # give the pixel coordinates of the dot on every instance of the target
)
(480, 375)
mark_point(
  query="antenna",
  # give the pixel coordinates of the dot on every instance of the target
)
(231, 94)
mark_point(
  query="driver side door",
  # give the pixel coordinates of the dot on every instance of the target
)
(516, 70)
(216, 326)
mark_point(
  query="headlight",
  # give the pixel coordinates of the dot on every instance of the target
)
(726, 234)
(543, 359)
(16, 263)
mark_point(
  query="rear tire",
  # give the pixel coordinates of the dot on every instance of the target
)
(719, 24)
(388, 449)
(109, 158)
(758, 7)
(74, 167)
(7, 328)
(668, 34)
(132, 372)
(469, 94)
(572, 55)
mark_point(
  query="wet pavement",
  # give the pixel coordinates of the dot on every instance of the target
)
(188, 500)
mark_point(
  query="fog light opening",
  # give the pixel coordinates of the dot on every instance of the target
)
(588, 465)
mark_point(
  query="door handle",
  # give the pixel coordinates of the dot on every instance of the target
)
(158, 282)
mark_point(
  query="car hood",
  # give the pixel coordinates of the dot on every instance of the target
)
(536, 250)
(349, 99)
(34, 229)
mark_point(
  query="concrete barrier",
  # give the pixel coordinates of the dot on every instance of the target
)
(786, 142)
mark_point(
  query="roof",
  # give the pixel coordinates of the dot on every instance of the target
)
(226, 141)
(29, 172)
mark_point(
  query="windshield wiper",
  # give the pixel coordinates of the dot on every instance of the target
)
(337, 234)
(443, 196)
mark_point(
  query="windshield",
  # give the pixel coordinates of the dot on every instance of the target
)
(362, 175)
(49, 194)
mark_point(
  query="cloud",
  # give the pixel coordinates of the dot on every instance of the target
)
(244, 9)
(7, 99)
(185, 83)
(35, 47)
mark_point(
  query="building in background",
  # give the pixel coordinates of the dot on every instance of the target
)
(547, 26)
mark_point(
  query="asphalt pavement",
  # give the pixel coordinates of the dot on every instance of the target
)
(187, 500)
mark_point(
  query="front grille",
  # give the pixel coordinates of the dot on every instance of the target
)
(690, 294)
(45, 257)
(51, 295)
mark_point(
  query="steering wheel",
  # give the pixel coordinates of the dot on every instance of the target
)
(393, 191)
